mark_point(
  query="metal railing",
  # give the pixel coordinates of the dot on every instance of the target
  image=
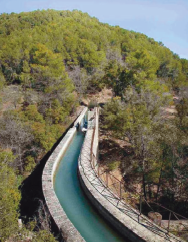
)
(116, 195)
(118, 188)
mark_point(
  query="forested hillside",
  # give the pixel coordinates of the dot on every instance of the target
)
(49, 60)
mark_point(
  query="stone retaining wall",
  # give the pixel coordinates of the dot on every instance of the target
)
(69, 232)
(122, 216)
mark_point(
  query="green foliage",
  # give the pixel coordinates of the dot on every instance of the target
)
(113, 165)
(43, 236)
(6, 157)
(32, 114)
(113, 113)
(118, 77)
(35, 47)
(2, 81)
(9, 197)
(30, 164)
(145, 64)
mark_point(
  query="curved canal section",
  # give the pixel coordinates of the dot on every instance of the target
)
(87, 221)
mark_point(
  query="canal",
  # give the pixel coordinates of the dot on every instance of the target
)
(81, 213)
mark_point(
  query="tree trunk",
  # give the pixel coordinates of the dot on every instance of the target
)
(159, 184)
(144, 186)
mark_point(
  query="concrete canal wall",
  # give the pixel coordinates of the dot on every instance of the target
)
(69, 232)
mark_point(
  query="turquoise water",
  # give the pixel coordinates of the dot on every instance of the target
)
(78, 209)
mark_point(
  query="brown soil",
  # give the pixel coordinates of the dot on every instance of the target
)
(101, 97)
